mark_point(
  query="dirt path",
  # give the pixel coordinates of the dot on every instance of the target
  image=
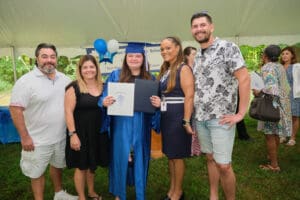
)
(4, 98)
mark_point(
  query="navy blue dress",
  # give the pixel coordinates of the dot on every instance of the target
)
(176, 143)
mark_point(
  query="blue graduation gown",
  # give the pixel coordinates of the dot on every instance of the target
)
(127, 134)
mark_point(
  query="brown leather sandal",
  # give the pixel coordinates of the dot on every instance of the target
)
(270, 168)
(95, 197)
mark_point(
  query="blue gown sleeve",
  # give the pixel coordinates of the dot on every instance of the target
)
(155, 124)
(105, 118)
(104, 93)
(113, 77)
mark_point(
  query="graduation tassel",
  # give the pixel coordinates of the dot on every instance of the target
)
(146, 58)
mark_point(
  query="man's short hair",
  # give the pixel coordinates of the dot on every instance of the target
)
(201, 14)
(44, 46)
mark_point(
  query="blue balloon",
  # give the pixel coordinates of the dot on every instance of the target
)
(100, 46)
(107, 57)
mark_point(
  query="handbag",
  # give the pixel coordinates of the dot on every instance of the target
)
(262, 108)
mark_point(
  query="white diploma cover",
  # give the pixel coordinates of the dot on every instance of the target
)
(123, 94)
(256, 81)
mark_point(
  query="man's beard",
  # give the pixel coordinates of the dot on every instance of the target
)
(45, 69)
(205, 39)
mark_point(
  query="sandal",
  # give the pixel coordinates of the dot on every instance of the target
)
(282, 140)
(291, 142)
(95, 197)
(268, 167)
(166, 198)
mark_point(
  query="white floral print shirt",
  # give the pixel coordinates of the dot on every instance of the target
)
(215, 85)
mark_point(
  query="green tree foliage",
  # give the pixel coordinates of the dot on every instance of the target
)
(7, 71)
(24, 64)
(69, 68)
(252, 56)
(62, 63)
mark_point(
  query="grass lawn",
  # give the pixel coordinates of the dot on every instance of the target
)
(252, 182)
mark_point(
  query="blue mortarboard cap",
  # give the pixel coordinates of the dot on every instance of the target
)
(139, 47)
(135, 47)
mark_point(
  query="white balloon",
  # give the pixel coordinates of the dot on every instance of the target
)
(112, 46)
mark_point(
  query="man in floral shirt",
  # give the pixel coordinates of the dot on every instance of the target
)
(220, 72)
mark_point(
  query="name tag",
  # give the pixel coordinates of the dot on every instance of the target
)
(163, 106)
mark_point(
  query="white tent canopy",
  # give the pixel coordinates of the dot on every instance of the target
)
(75, 24)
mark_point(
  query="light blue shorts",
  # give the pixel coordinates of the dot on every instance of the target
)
(216, 139)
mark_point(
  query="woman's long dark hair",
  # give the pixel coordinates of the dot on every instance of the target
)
(186, 52)
(173, 68)
(126, 75)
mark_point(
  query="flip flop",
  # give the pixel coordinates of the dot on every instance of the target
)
(291, 143)
(270, 168)
(95, 197)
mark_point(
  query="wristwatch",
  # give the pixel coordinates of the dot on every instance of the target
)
(72, 133)
(186, 122)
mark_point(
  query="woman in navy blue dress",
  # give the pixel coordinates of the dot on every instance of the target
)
(176, 104)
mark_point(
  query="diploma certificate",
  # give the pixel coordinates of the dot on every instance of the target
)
(123, 94)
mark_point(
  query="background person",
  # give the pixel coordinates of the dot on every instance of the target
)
(177, 91)
(189, 56)
(37, 110)
(86, 147)
(130, 135)
(257, 83)
(241, 128)
(276, 84)
(288, 60)
(220, 73)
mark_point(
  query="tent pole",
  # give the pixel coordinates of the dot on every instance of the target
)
(13, 55)
(237, 40)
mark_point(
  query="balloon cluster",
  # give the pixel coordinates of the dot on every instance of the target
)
(106, 51)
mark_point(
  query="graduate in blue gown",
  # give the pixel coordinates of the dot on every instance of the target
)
(130, 135)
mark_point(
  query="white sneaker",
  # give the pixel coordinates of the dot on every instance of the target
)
(63, 195)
